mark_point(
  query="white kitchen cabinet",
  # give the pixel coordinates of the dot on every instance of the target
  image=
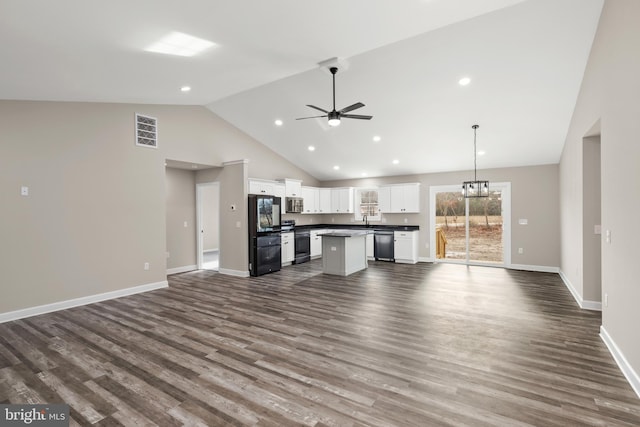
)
(369, 243)
(279, 191)
(316, 243)
(293, 188)
(342, 200)
(263, 187)
(384, 199)
(399, 198)
(405, 246)
(288, 250)
(324, 200)
(311, 197)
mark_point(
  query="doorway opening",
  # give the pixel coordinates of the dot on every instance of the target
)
(471, 230)
(208, 225)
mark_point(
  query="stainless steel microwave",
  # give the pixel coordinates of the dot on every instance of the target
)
(294, 204)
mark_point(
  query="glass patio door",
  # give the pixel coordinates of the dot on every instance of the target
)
(471, 231)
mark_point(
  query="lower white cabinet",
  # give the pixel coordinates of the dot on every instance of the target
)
(316, 243)
(288, 248)
(405, 246)
(370, 246)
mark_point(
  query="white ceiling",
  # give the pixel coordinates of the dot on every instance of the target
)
(525, 58)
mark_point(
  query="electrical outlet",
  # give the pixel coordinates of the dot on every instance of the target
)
(520, 250)
(185, 224)
(146, 266)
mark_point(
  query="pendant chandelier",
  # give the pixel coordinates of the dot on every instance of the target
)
(475, 188)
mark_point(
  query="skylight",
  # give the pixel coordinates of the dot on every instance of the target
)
(180, 44)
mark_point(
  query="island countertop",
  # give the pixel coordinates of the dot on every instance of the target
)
(346, 233)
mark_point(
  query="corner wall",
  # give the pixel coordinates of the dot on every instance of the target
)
(96, 209)
(609, 94)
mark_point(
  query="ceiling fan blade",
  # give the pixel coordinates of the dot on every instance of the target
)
(351, 107)
(356, 116)
(318, 108)
(313, 117)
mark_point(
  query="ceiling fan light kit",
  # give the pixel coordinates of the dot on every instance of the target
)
(335, 116)
(475, 188)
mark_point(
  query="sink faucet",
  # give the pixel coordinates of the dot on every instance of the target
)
(366, 220)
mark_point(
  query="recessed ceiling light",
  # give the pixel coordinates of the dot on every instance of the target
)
(194, 166)
(376, 138)
(363, 174)
(395, 161)
(336, 167)
(180, 44)
(311, 148)
(481, 153)
(278, 122)
(464, 81)
(185, 88)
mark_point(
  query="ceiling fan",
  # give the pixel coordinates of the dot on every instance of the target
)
(333, 115)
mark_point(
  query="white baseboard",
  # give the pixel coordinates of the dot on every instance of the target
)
(182, 269)
(425, 259)
(584, 304)
(538, 268)
(237, 273)
(62, 305)
(630, 374)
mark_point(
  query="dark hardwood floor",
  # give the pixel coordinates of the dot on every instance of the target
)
(394, 345)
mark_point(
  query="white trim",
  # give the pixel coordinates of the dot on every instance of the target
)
(627, 370)
(237, 273)
(236, 162)
(592, 305)
(62, 305)
(183, 269)
(538, 268)
(584, 304)
(425, 259)
(206, 251)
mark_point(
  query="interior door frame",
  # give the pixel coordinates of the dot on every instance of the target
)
(505, 187)
(199, 220)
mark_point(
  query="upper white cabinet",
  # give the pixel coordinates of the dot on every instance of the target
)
(258, 186)
(342, 200)
(399, 198)
(324, 200)
(279, 190)
(293, 188)
(311, 197)
(267, 188)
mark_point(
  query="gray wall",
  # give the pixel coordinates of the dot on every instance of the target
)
(97, 205)
(609, 96)
(534, 196)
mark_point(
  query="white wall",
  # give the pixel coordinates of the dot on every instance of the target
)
(609, 96)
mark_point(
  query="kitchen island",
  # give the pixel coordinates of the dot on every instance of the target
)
(344, 251)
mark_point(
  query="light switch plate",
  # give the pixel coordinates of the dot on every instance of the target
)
(24, 191)
(523, 221)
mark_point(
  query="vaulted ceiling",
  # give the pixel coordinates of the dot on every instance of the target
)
(403, 60)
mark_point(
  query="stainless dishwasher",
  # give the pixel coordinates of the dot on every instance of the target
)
(383, 245)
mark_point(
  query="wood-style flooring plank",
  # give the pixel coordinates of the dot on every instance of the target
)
(393, 345)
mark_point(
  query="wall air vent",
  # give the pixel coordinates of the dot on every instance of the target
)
(146, 131)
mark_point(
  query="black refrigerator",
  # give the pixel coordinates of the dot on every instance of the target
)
(264, 234)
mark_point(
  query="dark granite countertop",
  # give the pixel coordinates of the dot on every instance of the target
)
(384, 227)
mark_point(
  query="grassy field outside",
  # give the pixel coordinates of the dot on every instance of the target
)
(485, 243)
